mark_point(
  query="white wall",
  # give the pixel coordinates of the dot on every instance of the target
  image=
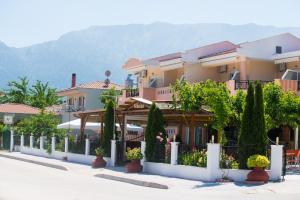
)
(179, 171)
(72, 157)
(213, 171)
(265, 48)
(195, 173)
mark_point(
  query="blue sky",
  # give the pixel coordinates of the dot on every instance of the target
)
(26, 22)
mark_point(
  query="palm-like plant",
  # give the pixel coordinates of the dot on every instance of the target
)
(42, 95)
(18, 92)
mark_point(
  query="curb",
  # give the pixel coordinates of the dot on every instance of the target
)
(132, 181)
(35, 162)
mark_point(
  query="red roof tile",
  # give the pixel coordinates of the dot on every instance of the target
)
(95, 85)
(132, 62)
(18, 108)
(210, 50)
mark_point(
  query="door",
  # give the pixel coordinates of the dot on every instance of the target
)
(6, 139)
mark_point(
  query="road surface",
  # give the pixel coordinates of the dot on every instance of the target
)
(26, 181)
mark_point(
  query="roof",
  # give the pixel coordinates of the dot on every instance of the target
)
(219, 53)
(209, 50)
(18, 109)
(156, 60)
(132, 62)
(272, 37)
(95, 85)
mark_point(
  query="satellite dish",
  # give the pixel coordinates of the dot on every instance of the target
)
(107, 81)
(107, 73)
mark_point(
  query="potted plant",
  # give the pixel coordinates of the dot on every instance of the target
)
(134, 155)
(258, 164)
(99, 161)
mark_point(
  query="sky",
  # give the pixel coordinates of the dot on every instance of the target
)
(27, 22)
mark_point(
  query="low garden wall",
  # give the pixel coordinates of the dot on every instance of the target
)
(195, 173)
(178, 171)
(212, 171)
(85, 158)
(72, 157)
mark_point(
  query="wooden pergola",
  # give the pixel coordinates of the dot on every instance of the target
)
(135, 111)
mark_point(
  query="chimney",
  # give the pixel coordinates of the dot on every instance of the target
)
(73, 80)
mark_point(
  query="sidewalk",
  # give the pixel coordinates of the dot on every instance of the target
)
(290, 186)
(87, 170)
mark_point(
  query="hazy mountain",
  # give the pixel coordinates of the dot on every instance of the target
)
(91, 51)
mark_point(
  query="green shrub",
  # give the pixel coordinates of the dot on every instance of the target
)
(99, 151)
(195, 158)
(134, 154)
(228, 162)
(60, 145)
(76, 146)
(258, 161)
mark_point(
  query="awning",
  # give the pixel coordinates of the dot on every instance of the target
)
(286, 60)
(75, 124)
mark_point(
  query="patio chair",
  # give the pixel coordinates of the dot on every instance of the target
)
(291, 156)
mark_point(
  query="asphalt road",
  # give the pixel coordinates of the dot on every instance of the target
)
(25, 181)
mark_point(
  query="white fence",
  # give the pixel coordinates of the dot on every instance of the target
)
(213, 171)
(72, 157)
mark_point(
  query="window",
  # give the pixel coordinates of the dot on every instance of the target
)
(81, 101)
(278, 49)
(71, 101)
(198, 136)
(291, 75)
(222, 68)
(235, 75)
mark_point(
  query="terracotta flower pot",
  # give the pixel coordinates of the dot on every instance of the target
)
(99, 162)
(134, 166)
(258, 174)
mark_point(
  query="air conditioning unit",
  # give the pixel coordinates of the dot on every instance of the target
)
(281, 67)
(222, 68)
(144, 73)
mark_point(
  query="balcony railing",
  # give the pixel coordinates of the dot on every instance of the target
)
(132, 92)
(244, 84)
(72, 108)
(163, 94)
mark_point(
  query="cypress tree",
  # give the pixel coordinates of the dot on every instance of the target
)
(259, 129)
(159, 134)
(150, 140)
(108, 127)
(245, 140)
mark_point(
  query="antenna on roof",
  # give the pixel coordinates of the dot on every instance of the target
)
(107, 81)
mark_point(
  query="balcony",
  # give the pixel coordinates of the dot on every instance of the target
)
(234, 85)
(163, 94)
(72, 108)
(152, 94)
(132, 92)
(289, 85)
(244, 84)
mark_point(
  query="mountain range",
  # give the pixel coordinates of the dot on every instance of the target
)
(91, 51)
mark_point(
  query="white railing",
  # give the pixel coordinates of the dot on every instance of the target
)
(211, 172)
(85, 158)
